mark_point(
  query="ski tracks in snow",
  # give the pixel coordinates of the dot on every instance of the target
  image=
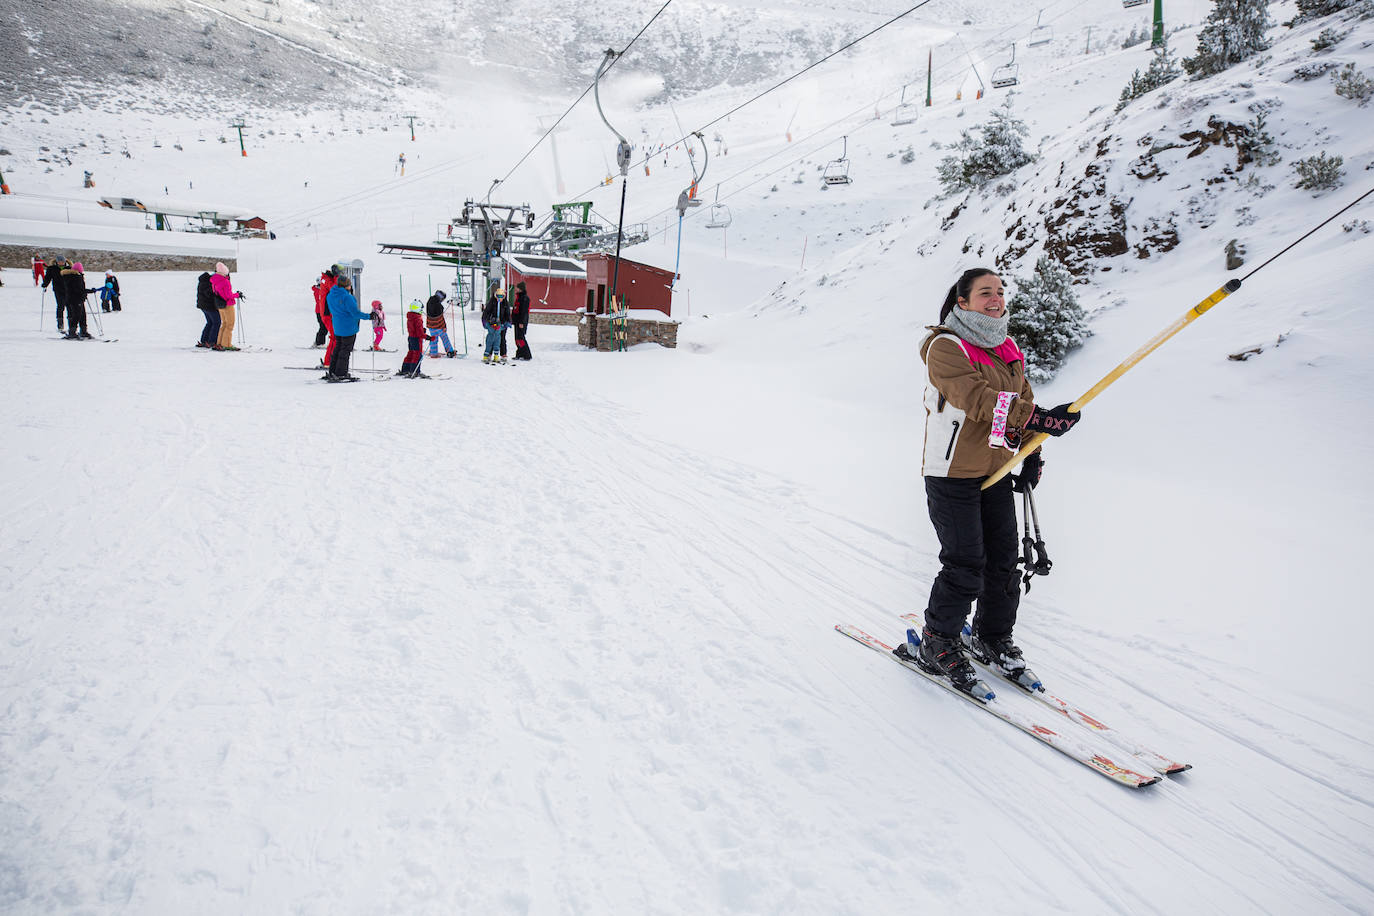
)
(430, 649)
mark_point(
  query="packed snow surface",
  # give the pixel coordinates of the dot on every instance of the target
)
(558, 637)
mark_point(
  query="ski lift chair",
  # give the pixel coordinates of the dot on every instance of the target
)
(906, 112)
(1041, 34)
(837, 170)
(1130, 3)
(1005, 76)
(719, 216)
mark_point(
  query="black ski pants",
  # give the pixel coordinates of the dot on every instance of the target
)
(76, 315)
(977, 532)
(343, 352)
(522, 344)
(323, 333)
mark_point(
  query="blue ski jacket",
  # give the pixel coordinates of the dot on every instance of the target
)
(344, 309)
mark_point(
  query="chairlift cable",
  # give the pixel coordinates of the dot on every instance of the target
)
(591, 88)
(813, 65)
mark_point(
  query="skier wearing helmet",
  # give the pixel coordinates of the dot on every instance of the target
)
(415, 332)
(434, 320)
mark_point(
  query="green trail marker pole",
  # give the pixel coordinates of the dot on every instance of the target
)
(1157, 41)
(411, 118)
(239, 126)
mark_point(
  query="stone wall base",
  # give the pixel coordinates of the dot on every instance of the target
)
(21, 256)
(552, 316)
(594, 331)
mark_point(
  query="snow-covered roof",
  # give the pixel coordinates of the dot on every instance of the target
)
(533, 265)
(171, 206)
(57, 236)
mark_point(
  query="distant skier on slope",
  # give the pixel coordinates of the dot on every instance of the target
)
(978, 406)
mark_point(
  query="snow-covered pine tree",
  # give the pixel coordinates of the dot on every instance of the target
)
(1046, 319)
(999, 151)
(1314, 9)
(1234, 31)
(1163, 69)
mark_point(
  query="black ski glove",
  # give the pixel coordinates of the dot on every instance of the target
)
(243, 296)
(1030, 473)
(1053, 422)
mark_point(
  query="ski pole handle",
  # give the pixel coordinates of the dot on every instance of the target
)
(1149, 347)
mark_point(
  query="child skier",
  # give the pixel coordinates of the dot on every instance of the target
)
(415, 332)
(434, 320)
(109, 293)
(495, 318)
(378, 324)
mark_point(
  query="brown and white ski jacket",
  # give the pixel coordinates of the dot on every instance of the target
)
(974, 398)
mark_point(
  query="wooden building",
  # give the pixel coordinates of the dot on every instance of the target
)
(639, 286)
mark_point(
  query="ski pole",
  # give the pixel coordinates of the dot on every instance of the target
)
(42, 306)
(1027, 545)
(99, 324)
(243, 338)
(1188, 317)
(1042, 558)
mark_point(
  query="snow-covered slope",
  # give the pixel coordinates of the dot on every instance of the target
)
(557, 638)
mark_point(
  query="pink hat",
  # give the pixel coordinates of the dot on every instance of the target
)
(376, 302)
(77, 267)
(221, 269)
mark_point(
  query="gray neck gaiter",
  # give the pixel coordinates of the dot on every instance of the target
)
(977, 328)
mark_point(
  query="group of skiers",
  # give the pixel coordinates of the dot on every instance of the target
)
(69, 291)
(338, 315)
(215, 296)
(498, 316)
(340, 318)
(979, 408)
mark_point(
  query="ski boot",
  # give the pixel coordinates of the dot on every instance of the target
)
(1003, 656)
(942, 656)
